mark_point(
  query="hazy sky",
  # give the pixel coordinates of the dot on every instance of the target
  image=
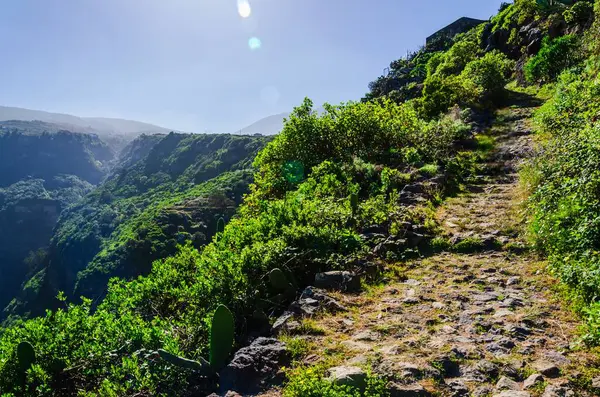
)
(205, 65)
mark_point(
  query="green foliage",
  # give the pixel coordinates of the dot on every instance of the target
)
(24, 148)
(460, 79)
(311, 382)
(317, 186)
(554, 57)
(221, 337)
(166, 191)
(516, 14)
(403, 79)
(580, 12)
(546, 4)
(307, 223)
(592, 36)
(489, 74)
(564, 182)
(371, 131)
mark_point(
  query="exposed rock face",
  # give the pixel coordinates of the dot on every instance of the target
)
(255, 367)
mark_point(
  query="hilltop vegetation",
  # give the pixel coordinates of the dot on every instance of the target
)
(320, 188)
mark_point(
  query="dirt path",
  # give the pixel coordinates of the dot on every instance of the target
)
(486, 323)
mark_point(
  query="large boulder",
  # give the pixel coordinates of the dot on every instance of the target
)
(338, 280)
(312, 301)
(255, 367)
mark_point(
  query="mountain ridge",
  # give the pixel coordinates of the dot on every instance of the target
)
(114, 131)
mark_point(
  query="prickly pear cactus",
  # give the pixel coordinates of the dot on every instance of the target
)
(221, 337)
(278, 279)
(25, 355)
(220, 225)
(182, 362)
(354, 203)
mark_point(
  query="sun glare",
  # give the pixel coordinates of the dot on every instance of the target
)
(244, 8)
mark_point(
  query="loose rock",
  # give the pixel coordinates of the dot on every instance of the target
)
(507, 384)
(512, 393)
(532, 380)
(338, 280)
(546, 368)
(414, 390)
(348, 376)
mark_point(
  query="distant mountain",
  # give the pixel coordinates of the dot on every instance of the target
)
(271, 125)
(116, 132)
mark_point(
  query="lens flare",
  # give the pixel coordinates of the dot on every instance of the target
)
(254, 43)
(244, 8)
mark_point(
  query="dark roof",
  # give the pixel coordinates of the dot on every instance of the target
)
(461, 25)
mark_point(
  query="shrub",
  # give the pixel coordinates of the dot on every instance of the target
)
(490, 74)
(515, 14)
(554, 57)
(580, 12)
(376, 132)
(564, 180)
(311, 382)
(480, 84)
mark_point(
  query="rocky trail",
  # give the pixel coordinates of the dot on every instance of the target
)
(482, 320)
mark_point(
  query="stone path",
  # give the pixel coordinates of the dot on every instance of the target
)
(487, 323)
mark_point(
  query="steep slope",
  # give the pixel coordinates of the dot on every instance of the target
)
(166, 190)
(43, 170)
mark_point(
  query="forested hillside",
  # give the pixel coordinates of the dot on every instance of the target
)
(438, 211)
(43, 170)
(164, 191)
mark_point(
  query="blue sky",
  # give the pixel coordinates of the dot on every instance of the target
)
(189, 65)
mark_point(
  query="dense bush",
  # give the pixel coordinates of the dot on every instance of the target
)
(376, 132)
(404, 78)
(457, 78)
(564, 179)
(516, 14)
(554, 57)
(580, 12)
